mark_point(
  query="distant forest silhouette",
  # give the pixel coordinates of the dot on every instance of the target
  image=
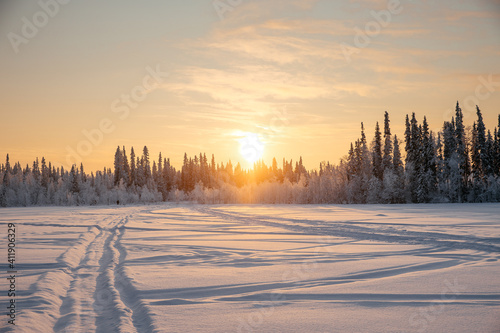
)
(454, 165)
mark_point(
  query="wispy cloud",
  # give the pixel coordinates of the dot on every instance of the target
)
(254, 61)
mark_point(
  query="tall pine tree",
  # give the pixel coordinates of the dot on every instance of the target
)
(377, 154)
(387, 157)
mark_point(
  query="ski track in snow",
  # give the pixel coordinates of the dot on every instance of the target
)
(91, 292)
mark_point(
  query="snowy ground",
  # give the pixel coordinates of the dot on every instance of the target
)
(262, 268)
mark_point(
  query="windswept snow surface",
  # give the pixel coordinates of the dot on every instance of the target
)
(256, 268)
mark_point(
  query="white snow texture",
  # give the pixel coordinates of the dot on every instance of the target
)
(256, 268)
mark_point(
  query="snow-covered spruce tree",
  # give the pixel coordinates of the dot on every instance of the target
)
(412, 162)
(5, 185)
(398, 170)
(133, 172)
(118, 165)
(440, 170)
(451, 172)
(169, 174)
(462, 158)
(378, 170)
(365, 172)
(44, 180)
(192, 174)
(355, 189)
(75, 186)
(159, 180)
(350, 163)
(476, 169)
(489, 156)
(497, 150)
(387, 156)
(428, 172)
(479, 160)
(374, 190)
(125, 167)
(421, 186)
(185, 174)
(481, 141)
(496, 153)
(146, 164)
(140, 178)
(375, 179)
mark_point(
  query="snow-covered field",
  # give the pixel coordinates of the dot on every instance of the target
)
(261, 268)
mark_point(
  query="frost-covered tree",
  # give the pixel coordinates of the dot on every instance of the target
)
(393, 182)
(437, 168)
(146, 165)
(413, 159)
(118, 164)
(479, 154)
(133, 172)
(462, 157)
(427, 177)
(496, 152)
(125, 167)
(387, 156)
(378, 170)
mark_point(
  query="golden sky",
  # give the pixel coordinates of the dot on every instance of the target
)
(81, 77)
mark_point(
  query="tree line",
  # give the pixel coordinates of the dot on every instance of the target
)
(457, 164)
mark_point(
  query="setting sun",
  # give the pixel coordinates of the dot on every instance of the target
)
(251, 147)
